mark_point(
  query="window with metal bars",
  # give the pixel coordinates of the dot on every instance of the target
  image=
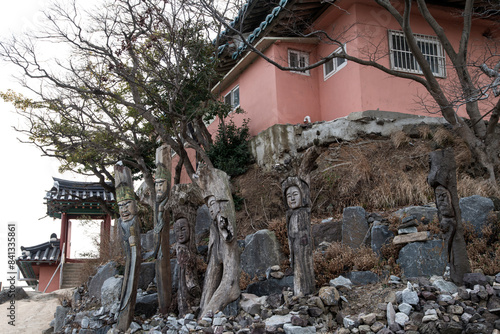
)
(298, 59)
(403, 60)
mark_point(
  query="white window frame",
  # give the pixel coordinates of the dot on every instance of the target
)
(335, 66)
(231, 94)
(403, 60)
(299, 54)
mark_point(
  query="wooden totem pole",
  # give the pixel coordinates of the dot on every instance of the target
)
(221, 285)
(130, 231)
(162, 229)
(442, 177)
(296, 197)
(184, 202)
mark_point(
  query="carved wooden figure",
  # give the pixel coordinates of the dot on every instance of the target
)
(130, 231)
(184, 202)
(442, 177)
(221, 285)
(161, 228)
(298, 218)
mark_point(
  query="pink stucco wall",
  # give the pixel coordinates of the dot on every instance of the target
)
(271, 96)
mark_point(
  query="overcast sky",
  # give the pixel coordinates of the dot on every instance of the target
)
(26, 175)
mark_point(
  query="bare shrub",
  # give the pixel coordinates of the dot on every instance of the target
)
(246, 280)
(278, 226)
(484, 250)
(339, 258)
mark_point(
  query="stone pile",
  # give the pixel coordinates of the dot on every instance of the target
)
(420, 305)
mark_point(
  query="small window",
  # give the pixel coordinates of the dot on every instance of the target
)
(233, 97)
(298, 59)
(403, 60)
(333, 65)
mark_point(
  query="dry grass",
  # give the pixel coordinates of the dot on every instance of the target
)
(400, 139)
(444, 137)
(484, 251)
(390, 253)
(339, 258)
(278, 226)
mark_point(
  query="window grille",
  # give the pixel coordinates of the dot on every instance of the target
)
(403, 60)
(233, 97)
(298, 59)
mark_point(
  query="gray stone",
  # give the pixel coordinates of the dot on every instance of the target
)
(472, 279)
(409, 295)
(262, 250)
(423, 214)
(380, 236)
(291, 329)
(348, 323)
(110, 292)
(362, 277)
(475, 210)
(232, 309)
(341, 281)
(278, 320)
(59, 317)
(327, 231)
(354, 226)
(203, 222)
(146, 304)
(444, 286)
(329, 295)
(85, 322)
(390, 314)
(251, 304)
(401, 319)
(423, 258)
(270, 286)
(405, 308)
(407, 230)
(103, 273)
(147, 241)
(146, 275)
(17, 293)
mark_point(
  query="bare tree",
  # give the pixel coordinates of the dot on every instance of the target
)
(478, 132)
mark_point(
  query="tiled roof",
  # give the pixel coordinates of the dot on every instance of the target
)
(83, 198)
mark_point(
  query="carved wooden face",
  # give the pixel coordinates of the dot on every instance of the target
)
(181, 228)
(161, 189)
(128, 209)
(213, 207)
(293, 197)
(443, 202)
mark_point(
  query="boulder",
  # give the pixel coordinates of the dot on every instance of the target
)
(147, 241)
(146, 304)
(110, 292)
(341, 281)
(423, 214)
(251, 303)
(146, 275)
(17, 294)
(329, 295)
(362, 277)
(476, 210)
(328, 231)
(103, 273)
(354, 226)
(444, 286)
(262, 250)
(59, 318)
(423, 258)
(270, 286)
(472, 279)
(380, 235)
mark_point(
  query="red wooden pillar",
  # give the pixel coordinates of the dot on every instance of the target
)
(105, 236)
(64, 232)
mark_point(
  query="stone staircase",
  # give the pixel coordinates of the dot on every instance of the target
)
(72, 275)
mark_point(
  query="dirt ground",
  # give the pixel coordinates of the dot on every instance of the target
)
(33, 315)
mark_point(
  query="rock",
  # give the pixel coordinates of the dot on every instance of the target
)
(274, 300)
(380, 236)
(444, 286)
(493, 305)
(103, 273)
(409, 295)
(18, 294)
(369, 319)
(262, 251)
(203, 222)
(251, 303)
(471, 279)
(364, 329)
(377, 327)
(328, 231)
(476, 328)
(146, 275)
(405, 308)
(110, 292)
(362, 277)
(412, 237)
(401, 319)
(407, 230)
(147, 241)
(298, 321)
(341, 281)
(329, 295)
(59, 317)
(390, 314)
(475, 210)
(423, 214)
(428, 328)
(278, 320)
(232, 309)
(423, 258)
(455, 309)
(348, 323)
(291, 329)
(314, 311)
(354, 226)
(147, 304)
(270, 286)
(451, 328)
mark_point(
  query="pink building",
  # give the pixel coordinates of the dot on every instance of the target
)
(339, 87)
